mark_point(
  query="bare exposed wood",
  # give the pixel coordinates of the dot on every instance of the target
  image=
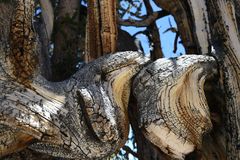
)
(14, 139)
(101, 30)
(72, 119)
(173, 111)
(22, 58)
(201, 25)
(85, 117)
(28, 154)
(237, 11)
(145, 149)
(225, 40)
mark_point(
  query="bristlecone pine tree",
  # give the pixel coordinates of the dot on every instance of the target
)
(179, 108)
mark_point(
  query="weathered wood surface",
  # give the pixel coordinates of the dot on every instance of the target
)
(84, 117)
(22, 41)
(225, 39)
(101, 35)
(214, 25)
(173, 111)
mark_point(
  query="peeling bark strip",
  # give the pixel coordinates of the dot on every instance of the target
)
(84, 117)
(101, 30)
(225, 40)
(22, 42)
(173, 109)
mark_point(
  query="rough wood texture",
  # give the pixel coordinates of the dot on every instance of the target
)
(101, 32)
(200, 24)
(84, 117)
(22, 42)
(225, 40)
(173, 111)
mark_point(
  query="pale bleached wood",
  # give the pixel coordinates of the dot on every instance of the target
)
(225, 39)
(84, 117)
(173, 111)
(201, 25)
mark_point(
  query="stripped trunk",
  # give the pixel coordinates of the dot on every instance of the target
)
(203, 25)
(86, 116)
(101, 29)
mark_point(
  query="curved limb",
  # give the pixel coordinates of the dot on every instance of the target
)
(173, 111)
(83, 117)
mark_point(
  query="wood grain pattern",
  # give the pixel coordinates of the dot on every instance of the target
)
(101, 29)
(84, 117)
(173, 109)
(22, 42)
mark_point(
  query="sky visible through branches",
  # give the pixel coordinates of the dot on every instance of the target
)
(167, 39)
(167, 43)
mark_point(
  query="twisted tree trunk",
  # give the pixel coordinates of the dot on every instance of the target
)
(83, 117)
(86, 116)
(204, 25)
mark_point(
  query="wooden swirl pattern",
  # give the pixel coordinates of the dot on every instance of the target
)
(84, 117)
(173, 110)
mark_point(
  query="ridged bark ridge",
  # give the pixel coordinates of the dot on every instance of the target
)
(84, 117)
(173, 111)
(225, 39)
(22, 41)
(101, 29)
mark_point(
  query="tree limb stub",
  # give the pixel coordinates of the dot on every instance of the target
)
(173, 111)
(83, 117)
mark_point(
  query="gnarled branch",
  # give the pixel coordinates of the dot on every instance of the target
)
(173, 111)
(83, 117)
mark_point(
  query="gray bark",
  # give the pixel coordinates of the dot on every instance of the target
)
(225, 40)
(173, 110)
(86, 116)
